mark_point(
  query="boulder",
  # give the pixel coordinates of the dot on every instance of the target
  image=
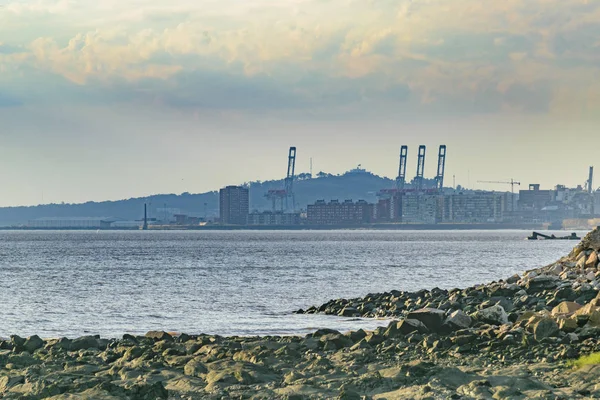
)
(432, 318)
(492, 315)
(84, 343)
(567, 325)
(159, 335)
(545, 328)
(33, 343)
(411, 325)
(592, 260)
(592, 240)
(458, 320)
(542, 282)
(349, 312)
(336, 341)
(565, 308)
(195, 368)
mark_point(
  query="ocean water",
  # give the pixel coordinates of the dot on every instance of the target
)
(71, 283)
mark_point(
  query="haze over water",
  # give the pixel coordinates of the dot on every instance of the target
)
(67, 283)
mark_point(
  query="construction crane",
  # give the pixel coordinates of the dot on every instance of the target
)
(287, 192)
(439, 179)
(401, 179)
(512, 184)
(420, 168)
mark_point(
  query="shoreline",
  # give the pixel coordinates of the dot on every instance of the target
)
(382, 227)
(511, 339)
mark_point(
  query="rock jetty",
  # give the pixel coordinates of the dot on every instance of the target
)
(512, 339)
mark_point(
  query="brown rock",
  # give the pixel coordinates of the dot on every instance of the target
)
(566, 308)
(567, 325)
(592, 260)
(592, 240)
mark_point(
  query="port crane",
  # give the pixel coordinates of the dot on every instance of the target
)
(287, 192)
(512, 184)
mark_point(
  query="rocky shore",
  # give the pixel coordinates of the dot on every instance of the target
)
(513, 339)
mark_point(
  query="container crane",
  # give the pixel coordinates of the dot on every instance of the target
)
(420, 168)
(401, 179)
(439, 179)
(512, 184)
(287, 192)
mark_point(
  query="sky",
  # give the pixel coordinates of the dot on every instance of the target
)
(116, 99)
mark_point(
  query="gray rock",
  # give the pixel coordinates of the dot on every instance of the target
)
(432, 318)
(33, 343)
(492, 315)
(159, 335)
(542, 282)
(349, 312)
(84, 343)
(545, 328)
(458, 320)
(411, 325)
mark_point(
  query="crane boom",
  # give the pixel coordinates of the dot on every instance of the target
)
(441, 167)
(402, 168)
(420, 167)
(289, 179)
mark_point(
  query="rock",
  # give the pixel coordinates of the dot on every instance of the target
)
(374, 339)
(17, 341)
(513, 279)
(432, 318)
(592, 260)
(567, 325)
(195, 368)
(84, 343)
(566, 307)
(411, 325)
(392, 330)
(492, 315)
(545, 328)
(159, 335)
(592, 240)
(336, 341)
(356, 336)
(542, 282)
(458, 320)
(33, 343)
(349, 312)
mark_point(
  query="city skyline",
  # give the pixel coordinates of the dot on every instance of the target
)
(133, 98)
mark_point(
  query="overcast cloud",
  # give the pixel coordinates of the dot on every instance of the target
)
(202, 70)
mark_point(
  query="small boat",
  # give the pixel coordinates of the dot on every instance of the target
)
(537, 235)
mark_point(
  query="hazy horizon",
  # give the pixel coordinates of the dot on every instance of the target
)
(113, 100)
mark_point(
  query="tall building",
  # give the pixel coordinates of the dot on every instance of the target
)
(234, 205)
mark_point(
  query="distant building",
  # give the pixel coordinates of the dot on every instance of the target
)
(269, 218)
(474, 207)
(234, 205)
(184, 219)
(422, 208)
(72, 222)
(389, 209)
(534, 198)
(336, 213)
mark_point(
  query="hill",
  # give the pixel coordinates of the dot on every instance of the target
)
(357, 184)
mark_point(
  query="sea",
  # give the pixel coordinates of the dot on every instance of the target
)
(74, 283)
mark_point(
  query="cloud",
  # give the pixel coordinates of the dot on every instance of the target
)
(429, 55)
